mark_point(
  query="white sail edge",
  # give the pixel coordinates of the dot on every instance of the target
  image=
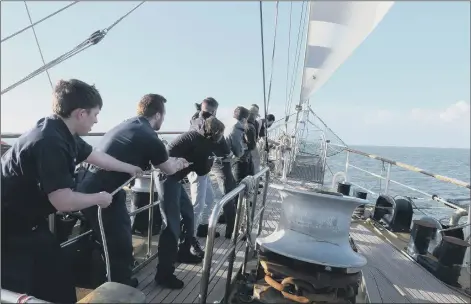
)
(335, 30)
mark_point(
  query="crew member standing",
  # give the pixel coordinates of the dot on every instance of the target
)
(196, 147)
(202, 194)
(133, 141)
(38, 180)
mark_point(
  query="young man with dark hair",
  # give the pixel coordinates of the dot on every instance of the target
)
(38, 180)
(263, 126)
(133, 141)
(197, 147)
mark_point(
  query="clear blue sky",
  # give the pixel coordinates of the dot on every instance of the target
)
(408, 84)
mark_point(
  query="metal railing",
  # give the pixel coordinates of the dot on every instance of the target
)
(454, 218)
(12, 297)
(388, 180)
(243, 201)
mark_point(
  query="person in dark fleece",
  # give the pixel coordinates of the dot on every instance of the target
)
(222, 171)
(196, 147)
(136, 142)
(38, 179)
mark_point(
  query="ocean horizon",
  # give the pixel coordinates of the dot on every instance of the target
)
(451, 162)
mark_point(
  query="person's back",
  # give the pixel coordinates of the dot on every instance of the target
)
(196, 147)
(132, 141)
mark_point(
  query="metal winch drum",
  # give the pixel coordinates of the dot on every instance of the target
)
(314, 228)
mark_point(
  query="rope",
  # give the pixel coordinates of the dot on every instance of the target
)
(39, 21)
(288, 106)
(273, 56)
(37, 43)
(298, 49)
(263, 78)
(250, 187)
(94, 38)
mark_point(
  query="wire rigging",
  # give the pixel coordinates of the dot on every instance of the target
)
(298, 51)
(263, 74)
(37, 43)
(94, 38)
(39, 21)
(273, 55)
(287, 106)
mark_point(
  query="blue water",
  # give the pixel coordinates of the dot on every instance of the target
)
(453, 163)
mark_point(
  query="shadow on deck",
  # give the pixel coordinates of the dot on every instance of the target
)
(191, 274)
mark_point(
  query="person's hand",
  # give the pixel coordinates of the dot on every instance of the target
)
(135, 171)
(104, 199)
(183, 163)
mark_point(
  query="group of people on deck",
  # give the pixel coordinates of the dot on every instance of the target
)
(39, 178)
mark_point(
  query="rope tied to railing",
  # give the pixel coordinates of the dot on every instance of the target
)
(251, 186)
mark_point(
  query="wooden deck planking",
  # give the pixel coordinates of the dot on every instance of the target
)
(392, 277)
(191, 274)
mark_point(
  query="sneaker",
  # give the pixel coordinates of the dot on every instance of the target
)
(198, 251)
(169, 281)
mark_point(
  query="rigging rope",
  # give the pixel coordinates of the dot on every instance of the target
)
(298, 49)
(263, 76)
(37, 43)
(95, 38)
(39, 21)
(273, 55)
(287, 65)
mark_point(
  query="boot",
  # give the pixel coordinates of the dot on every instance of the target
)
(229, 229)
(168, 281)
(185, 255)
(197, 250)
(222, 219)
(202, 231)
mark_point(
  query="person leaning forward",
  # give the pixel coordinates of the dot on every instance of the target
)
(38, 180)
(136, 142)
(196, 147)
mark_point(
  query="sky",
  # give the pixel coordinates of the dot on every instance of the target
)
(408, 84)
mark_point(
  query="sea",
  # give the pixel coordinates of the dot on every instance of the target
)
(453, 163)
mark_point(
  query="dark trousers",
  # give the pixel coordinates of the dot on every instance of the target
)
(117, 225)
(33, 263)
(226, 184)
(242, 169)
(176, 205)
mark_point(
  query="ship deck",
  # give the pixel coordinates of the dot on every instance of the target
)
(191, 274)
(389, 277)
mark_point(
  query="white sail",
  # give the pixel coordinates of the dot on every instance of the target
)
(336, 29)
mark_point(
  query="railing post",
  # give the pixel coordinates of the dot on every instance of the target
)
(250, 226)
(388, 179)
(151, 216)
(264, 200)
(235, 234)
(52, 223)
(346, 166)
